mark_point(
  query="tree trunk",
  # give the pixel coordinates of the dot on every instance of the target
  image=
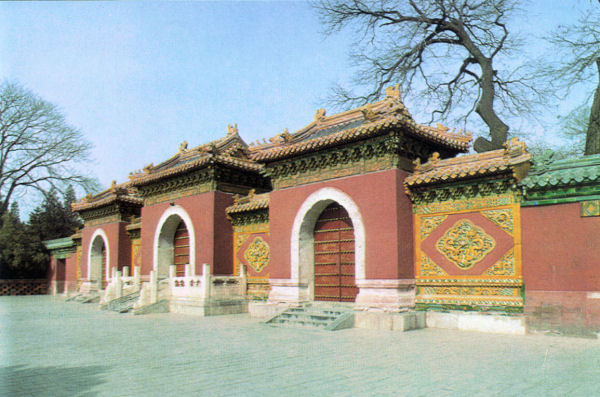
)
(485, 106)
(592, 137)
(485, 109)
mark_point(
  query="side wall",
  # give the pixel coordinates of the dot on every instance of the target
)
(212, 230)
(56, 275)
(386, 213)
(561, 251)
(223, 245)
(62, 274)
(119, 246)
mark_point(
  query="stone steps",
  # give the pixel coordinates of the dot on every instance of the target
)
(92, 297)
(319, 317)
(122, 304)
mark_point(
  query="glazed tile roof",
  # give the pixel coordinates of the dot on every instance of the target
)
(356, 124)
(58, 243)
(547, 172)
(123, 192)
(228, 151)
(251, 202)
(471, 166)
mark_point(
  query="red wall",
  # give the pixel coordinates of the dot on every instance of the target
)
(386, 213)
(119, 245)
(71, 272)
(561, 255)
(223, 247)
(56, 271)
(561, 250)
(212, 229)
(63, 276)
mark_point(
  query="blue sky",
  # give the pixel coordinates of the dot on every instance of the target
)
(138, 78)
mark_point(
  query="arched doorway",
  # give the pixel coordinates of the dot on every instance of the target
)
(302, 249)
(334, 264)
(98, 261)
(181, 251)
(174, 242)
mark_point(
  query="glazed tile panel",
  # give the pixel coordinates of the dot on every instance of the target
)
(468, 257)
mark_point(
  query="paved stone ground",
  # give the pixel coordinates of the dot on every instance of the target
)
(52, 348)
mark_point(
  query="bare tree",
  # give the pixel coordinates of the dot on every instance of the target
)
(38, 149)
(577, 51)
(445, 49)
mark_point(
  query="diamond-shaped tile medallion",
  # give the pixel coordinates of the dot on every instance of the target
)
(465, 244)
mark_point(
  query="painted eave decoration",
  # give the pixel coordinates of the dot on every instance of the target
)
(551, 179)
(229, 151)
(513, 160)
(368, 121)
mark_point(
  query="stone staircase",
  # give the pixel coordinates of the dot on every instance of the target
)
(122, 304)
(91, 297)
(322, 316)
(88, 293)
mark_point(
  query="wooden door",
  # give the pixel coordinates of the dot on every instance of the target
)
(103, 278)
(181, 251)
(334, 256)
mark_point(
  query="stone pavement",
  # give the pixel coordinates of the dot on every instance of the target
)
(52, 348)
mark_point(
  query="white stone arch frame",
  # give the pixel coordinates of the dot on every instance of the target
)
(163, 239)
(95, 257)
(302, 240)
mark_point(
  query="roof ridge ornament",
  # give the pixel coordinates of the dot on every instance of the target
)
(431, 162)
(182, 147)
(368, 112)
(284, 137)
(393, 91)
(320, 114)
(545, 159)
(113, 185)
(232, 129)
(514, 147)
(442, 128)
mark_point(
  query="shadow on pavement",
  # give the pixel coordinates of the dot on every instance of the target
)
(18, 380)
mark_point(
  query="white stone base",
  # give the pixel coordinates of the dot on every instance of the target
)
(482, 322)
(207, 308)
(389, 321)
(287, 291)
(385, 295)
(266, 309)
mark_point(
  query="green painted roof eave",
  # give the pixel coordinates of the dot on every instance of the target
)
(59, 243)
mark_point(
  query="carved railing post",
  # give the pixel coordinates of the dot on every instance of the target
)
(118, 282)
(243, 280)
(206, 281)
(137, 276)
(172, 271)
(153, 286)
(190, 270)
